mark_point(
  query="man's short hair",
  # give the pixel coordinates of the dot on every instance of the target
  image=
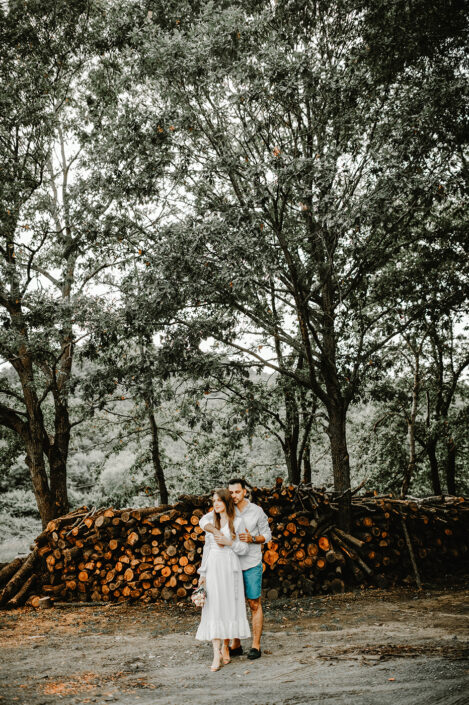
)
(238, 481)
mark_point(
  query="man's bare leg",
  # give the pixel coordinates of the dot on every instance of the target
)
(257, 622)
(257, 614)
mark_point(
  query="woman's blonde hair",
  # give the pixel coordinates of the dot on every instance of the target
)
(225, 496)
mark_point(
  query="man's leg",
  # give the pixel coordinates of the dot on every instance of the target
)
(257, 622)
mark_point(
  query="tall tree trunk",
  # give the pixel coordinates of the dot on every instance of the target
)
(58, 454)
(292, 419)
(340, 462)
(291, 461)
(292, 435)
(155, 454)
(50, 492)
(434, 473)
(37, 469)
(36, 435)
(308, 412)
(58, 485)
(336, 407)
(292, 432)
(410, 469)
(307, 472)
(451, 466)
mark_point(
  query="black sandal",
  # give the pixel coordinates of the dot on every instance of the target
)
(254, 653)
(238, 651)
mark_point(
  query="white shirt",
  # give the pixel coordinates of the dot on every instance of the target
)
(255, 520)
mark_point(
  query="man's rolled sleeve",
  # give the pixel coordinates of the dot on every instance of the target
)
(264, 528)
(206, 519)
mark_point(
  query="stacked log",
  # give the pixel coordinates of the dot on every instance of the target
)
(149, 554)
(310, 554)
(109, 555)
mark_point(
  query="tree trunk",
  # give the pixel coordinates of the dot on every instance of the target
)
(336, 407)
(435, 476)
(290, 447)
(51, 493)
(292, 435)
(291, 461)
(308, 413)
(410, 470)
(35, 435)
(37, 469)
(307, 473)
(451, 466)
(155, 454)
(58, 450)
(340, 462)
(58, 484)
(57, 453)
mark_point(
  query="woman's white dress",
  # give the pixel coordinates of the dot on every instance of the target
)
(224, 611)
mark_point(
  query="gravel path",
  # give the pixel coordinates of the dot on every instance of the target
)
(362, 648)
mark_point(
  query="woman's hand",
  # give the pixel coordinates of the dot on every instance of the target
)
(219, 537)
(224, 541)
(202, 580)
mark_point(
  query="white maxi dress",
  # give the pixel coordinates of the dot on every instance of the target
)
(224, 611)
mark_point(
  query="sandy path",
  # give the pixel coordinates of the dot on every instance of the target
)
(370, 648)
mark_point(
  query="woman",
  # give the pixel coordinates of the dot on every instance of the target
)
(224, 612)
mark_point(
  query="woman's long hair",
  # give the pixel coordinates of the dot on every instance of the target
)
(227, 500)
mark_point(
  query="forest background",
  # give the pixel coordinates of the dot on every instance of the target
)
(233, 242)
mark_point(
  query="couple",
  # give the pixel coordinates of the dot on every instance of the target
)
(231, 571)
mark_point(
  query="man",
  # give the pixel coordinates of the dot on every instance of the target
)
(257, 532)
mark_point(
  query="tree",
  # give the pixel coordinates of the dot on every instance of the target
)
(41, 55)
(310, 170)
(424, 396)
(59, 240)
(446, 398)
(273, 404)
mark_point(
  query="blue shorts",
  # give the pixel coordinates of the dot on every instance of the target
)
(253, 581)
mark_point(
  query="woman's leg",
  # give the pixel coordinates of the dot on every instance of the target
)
(216, 655)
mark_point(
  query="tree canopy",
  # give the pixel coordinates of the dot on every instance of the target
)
(227, 190)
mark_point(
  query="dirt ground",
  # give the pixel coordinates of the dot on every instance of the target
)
(377, 647)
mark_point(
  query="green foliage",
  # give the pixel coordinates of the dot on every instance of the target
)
(13, 471)
(19, 502)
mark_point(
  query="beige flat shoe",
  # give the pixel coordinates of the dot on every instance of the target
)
(226, 659)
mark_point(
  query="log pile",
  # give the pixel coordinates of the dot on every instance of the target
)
(391, 542)
(153, 553)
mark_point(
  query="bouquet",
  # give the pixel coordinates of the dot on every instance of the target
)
(198, 596)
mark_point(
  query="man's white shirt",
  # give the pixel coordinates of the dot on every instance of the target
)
(255, 520)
